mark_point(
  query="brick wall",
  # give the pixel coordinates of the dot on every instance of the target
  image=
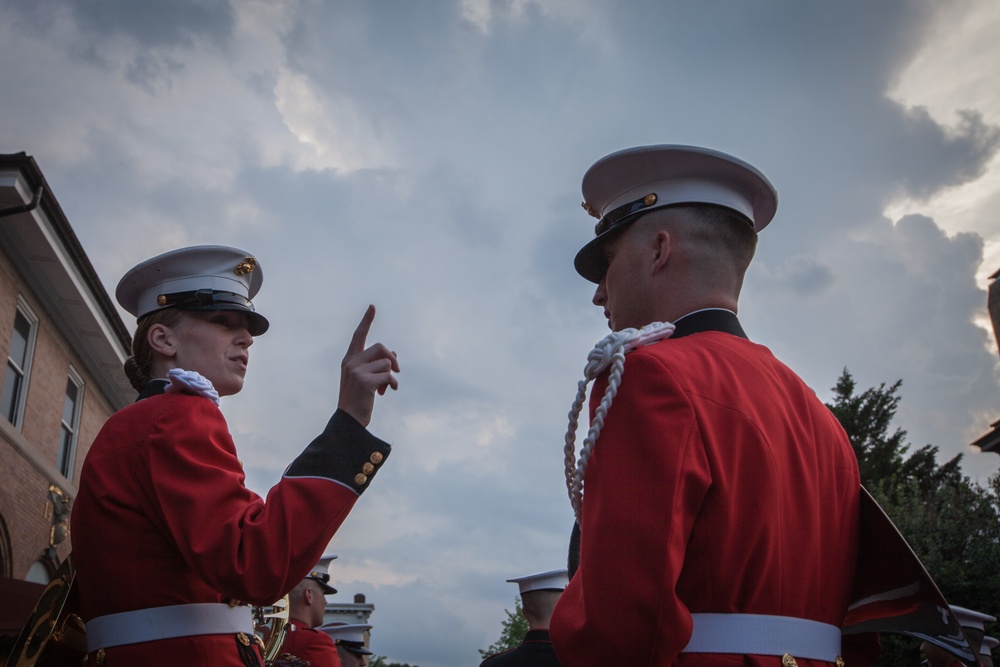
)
(24, 487)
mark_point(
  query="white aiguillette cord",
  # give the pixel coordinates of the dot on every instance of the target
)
(190, 382)
(611, 352)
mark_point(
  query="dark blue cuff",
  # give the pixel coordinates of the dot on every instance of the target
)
(344, 452)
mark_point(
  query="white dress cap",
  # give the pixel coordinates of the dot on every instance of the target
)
(349, 635)
(621, 187)
(553, 580)
(971, 619)
(208, 277)
(989, 643)
(321, 575)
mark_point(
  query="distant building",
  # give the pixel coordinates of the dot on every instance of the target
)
(62, 344)
(347, 612)
(991, 441)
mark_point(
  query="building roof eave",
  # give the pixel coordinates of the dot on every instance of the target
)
(43, 247)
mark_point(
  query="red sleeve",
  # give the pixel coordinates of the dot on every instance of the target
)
(645, 482)
(237, 544)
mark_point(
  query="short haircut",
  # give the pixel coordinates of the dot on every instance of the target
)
(727, 229)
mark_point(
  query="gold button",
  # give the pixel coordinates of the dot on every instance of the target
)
(376, 457)
(99, 656)
(360, 479)
(242, 636)
(367, 468)
(161, 300)
(233, 602)
(839, 661)
(788, 661)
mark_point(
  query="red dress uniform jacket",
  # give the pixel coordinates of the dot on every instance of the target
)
(163, 518)
(313, 645)
(720, 483)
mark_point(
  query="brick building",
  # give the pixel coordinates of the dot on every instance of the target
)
(63, 345)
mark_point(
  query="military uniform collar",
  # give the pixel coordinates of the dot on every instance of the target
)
(708, 319)
(537, 636)
(153, 388)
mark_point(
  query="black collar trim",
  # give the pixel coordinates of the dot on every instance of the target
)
(153, 388)
(710, 319)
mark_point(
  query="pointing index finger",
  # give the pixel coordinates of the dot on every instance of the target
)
(361, 333)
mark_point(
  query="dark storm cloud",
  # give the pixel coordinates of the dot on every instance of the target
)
(902, 307)
(150, 24)
(145, 30)
(940, 157)
(805, 276)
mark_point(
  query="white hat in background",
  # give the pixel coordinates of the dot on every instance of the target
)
(349, 635)
(553, 580)
(970, 619)
(321, 575)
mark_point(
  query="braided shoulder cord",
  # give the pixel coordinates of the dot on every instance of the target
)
(610, 352)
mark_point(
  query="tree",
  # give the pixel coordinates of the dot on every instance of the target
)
(952, 524)
(512, 632)
(866, 418)
(382, 661)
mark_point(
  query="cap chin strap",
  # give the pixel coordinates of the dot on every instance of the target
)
(611, 352)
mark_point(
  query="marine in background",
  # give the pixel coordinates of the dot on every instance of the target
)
(350, 641)
(539, 594)
(306, 604)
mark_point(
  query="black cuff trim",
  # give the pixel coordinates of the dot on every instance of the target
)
(345, 452)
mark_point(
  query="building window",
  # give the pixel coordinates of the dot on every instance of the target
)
(70, 424)
(15, 380)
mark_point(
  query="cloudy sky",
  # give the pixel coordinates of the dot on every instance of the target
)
(426, 157)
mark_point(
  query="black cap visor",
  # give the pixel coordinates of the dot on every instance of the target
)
(209, 300)
(324, 582)
(590, 262)
(355, 648)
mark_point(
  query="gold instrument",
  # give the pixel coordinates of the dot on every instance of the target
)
(54, 633)
(270, 624)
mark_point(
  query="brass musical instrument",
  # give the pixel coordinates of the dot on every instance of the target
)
(54, 633)
(270, 625)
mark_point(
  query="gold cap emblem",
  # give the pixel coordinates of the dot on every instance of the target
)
(589, 209)
(246, 266)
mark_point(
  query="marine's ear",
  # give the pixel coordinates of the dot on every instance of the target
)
(661, 249)
(161, 340)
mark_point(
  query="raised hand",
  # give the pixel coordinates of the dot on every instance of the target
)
(365, 371)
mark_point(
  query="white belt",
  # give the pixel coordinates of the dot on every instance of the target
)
(182, 620)
(757, 634)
